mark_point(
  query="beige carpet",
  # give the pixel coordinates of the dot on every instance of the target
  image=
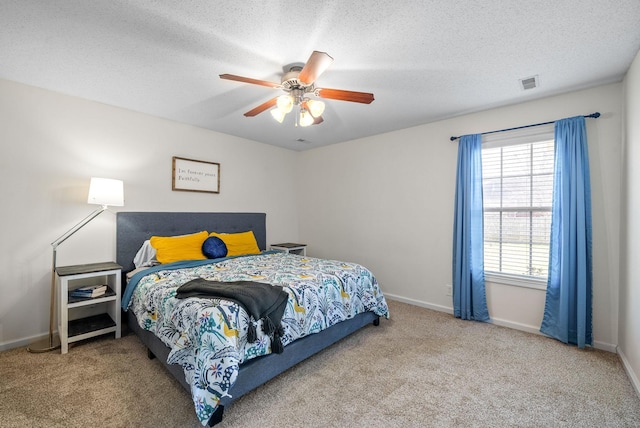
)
(419, 369)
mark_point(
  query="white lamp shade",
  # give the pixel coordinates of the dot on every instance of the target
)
(106, 191)
(285, 103)
(278, 114)
(316, 108)
(305, 118)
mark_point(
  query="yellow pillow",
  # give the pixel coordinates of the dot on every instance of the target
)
(239, 243)
(171, 249)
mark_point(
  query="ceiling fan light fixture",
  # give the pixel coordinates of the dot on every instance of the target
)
(297, 83)
(278, 114)
(285, 103)
(306, 118)
(316, 107)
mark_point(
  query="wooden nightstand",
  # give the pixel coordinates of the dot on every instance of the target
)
(82, 318)
(290, 247)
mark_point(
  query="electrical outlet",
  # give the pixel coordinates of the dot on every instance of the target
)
(448, 288)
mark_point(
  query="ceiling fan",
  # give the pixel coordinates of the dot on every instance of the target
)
(299, 84)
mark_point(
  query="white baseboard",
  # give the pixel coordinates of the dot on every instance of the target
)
(418, 303)
(630, 373)
(604, 346)
(504, 323)
(536, 330)
(516, 326)
(497, 321)
(5, 346)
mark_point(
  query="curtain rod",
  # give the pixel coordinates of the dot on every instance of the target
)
(592, 115)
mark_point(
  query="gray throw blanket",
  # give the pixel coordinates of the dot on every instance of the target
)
(264, 302)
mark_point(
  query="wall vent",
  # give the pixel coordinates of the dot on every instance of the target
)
(529, 82)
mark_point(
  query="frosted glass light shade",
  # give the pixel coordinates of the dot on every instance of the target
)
(285, 103)
(316, 108)
(106, 191)
(305, 118)
(278, 114)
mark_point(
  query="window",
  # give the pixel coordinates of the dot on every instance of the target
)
(517, 179)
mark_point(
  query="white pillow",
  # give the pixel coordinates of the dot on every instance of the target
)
(129, 275)
(146, 256)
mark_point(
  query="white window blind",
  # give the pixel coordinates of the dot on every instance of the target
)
(517, 193)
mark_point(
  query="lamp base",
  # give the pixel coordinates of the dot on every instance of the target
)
(45, 345)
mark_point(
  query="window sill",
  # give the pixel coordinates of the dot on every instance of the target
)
(516, 280)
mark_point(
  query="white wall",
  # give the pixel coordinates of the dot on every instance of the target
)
(387, 202)
(629, 343)
(50, 146)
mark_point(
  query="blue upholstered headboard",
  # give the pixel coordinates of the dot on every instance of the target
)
(133, 228)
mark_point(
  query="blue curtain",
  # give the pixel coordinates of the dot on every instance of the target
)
(567, 311)
(469, 298)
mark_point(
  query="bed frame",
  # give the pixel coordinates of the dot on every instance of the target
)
(133, 228)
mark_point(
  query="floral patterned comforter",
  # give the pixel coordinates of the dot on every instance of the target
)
(207, 337)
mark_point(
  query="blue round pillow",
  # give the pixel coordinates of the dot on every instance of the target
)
(214, 248)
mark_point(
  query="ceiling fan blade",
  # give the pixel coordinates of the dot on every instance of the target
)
(249, 80)
(317, 63)
(318, 120)
(342, 95)
(262, 107)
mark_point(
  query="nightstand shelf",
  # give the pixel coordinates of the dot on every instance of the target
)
(75, 302)
(80, 318)
(90, 326)
(290, 247)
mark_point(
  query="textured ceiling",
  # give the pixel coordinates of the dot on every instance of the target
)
(423, 60)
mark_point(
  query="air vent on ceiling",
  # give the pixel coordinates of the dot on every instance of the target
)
(529, 82)
(302, 140)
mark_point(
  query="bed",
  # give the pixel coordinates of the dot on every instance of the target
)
(256, 365)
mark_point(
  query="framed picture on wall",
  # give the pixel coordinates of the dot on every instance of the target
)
(195, 176)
